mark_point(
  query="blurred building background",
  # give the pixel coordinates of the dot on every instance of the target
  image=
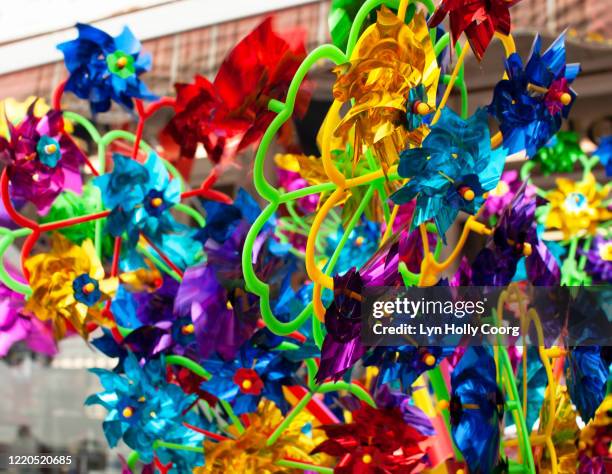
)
(188, 37)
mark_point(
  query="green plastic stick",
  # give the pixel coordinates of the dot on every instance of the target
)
(305, 466)
(188, 364)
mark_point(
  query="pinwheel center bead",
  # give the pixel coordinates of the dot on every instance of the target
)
(187, 329)
(229, 306)
(89, 288)
(50, 148)
(366, 459)
(157, 201)
(359, 241)
(35, 177)
(152, 414)
(467, 193)
(527, 249)
(420, 108)
(248, 381)
(127, 412)
(443, 405)
(122, 62)
(575, 202)
(429, 359)
(565, 98)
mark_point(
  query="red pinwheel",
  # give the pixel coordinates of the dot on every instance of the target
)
(231, 113)
(479, 19)
(378, 440)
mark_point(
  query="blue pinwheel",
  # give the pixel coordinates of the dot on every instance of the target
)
(361, 244)
(140, 197)
(451, 171)
(477, 407)
(255, 373)
(405, 363)
(604, 153)
(587, 370)
(530, 103)
(143, 408)
(105, 69)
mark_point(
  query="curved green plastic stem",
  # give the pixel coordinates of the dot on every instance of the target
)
(188, 364)
(409, 278)
(317, 332)
(299, 193)
(356, 390)
(8, 237)
(441, 44)
(263, 187)
(85, 123)
(191, 212)
(526, 169)
(133, 459)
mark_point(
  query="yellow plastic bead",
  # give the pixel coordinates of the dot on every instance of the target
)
(127, 412)
(565, 98)
(443, 405)
(367, 459)
(429, 360)
(246, 384)
(157, 201)
(122, 62)
(467, 193)
(359, 241)
(229, 306)
(187, 329)
(50, 148)
(88, 288)
(422, 108)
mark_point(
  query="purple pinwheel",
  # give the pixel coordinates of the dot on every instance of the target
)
(599, 260)
(223, 320)
(41, 159)
(502, 195)
(496, 264)
(224, 315)
(156, 327)
(342, 346)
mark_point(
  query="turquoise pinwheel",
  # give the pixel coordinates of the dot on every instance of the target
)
(451, 171)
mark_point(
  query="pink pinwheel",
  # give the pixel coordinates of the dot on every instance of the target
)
(42, 160)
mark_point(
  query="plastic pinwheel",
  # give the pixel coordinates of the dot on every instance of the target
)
(105, 69)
